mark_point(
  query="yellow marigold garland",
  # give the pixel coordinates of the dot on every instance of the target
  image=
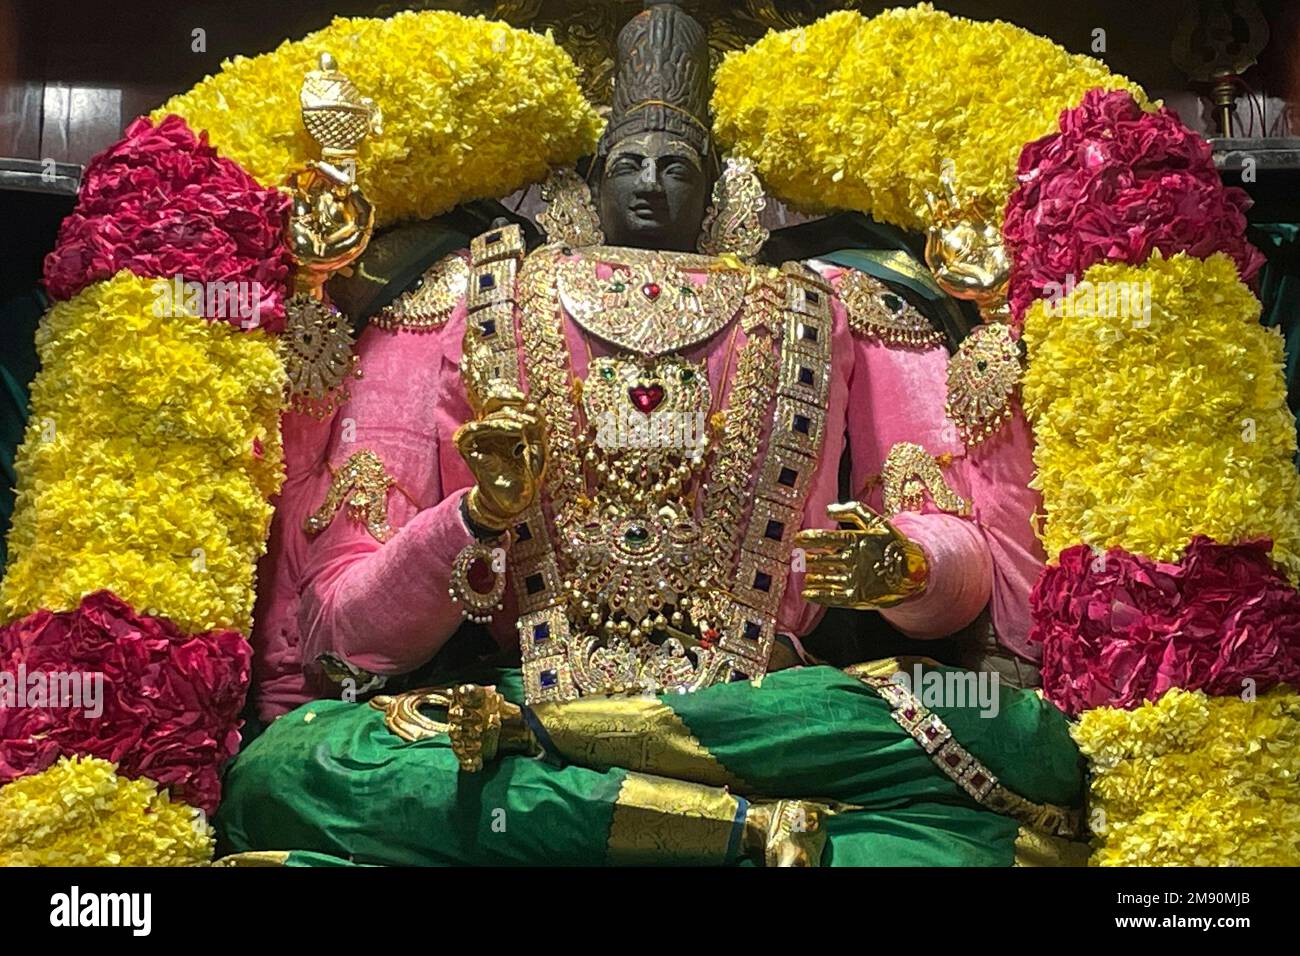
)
(471, 108)
(858, 113)
(79, 812)
(1148, 436)
(151, 452)
(1193, 780)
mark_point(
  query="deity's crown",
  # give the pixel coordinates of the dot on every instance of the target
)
(661, 82)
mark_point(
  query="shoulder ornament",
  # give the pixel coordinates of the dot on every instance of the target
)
(877, 312)
(430, 301)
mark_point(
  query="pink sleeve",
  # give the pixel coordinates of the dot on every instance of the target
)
(898, 394)
(384, 606)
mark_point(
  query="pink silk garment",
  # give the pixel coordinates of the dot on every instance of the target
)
(384, 607)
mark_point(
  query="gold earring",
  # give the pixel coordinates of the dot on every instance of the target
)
(732, 223)
(570, 216)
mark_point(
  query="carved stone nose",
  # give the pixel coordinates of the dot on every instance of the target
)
(646, 398)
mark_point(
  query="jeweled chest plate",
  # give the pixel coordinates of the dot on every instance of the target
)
(649, 303)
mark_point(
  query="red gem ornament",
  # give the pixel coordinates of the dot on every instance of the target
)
(480, 576)
(646, 398)
(651, 290)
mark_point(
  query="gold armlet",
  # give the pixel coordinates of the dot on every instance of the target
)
(363, 483)
(909, 473)
(485, 517)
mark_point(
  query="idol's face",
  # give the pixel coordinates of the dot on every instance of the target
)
(652, 193)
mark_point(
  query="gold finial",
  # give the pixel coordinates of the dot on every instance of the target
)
(335, 113)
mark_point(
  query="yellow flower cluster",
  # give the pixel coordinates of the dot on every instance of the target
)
(79, 812)
(858, 113)
(138, 472)
(1150, 430)
(471, 108)
(1193, 780)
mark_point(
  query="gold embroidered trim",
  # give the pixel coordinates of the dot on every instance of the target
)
(649, 304)
(657, 820)
(363, 483)
(876, 311)
(961, 766)
(908, 473)
(429, 303)
(635, 733)
(982, 377)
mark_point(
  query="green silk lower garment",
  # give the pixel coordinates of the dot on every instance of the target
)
(653, 780)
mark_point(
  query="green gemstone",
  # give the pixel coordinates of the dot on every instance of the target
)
(607, 373)
(636, 536)
(617, 287)
(688, 376)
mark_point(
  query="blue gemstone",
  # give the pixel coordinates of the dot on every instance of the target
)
(541, 632)
(492, 238)
(753, 630)
(788, 477)
(489, 327)
(808, 332)
(775, 530)
(522, 533)
(739, 675)
(802, 424)
(812, 296)
(486, 280)
(534, 583)
(806, 376)
(762, 581)
(548, 678)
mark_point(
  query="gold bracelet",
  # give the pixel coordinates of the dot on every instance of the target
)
(482, 517)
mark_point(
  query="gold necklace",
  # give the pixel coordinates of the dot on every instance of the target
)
(649, 304)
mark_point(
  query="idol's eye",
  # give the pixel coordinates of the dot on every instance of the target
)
(679, 169)
(625, 166)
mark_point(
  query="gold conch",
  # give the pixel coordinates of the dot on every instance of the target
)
(964, 250)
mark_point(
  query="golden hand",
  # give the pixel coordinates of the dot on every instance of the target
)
(869, 565)
(505, 449)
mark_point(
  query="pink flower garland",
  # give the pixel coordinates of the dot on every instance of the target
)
(162, 203)
(1115, 184)
(1124, 629)
(171, 702)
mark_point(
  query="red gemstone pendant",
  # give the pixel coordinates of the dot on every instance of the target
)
(646, 398)
(651, 290)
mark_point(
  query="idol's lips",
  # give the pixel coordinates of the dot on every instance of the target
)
(645, 210)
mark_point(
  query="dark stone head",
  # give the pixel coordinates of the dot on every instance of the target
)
(655, 165)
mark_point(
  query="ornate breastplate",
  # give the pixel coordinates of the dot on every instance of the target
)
(659, 559)
(649, 303)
